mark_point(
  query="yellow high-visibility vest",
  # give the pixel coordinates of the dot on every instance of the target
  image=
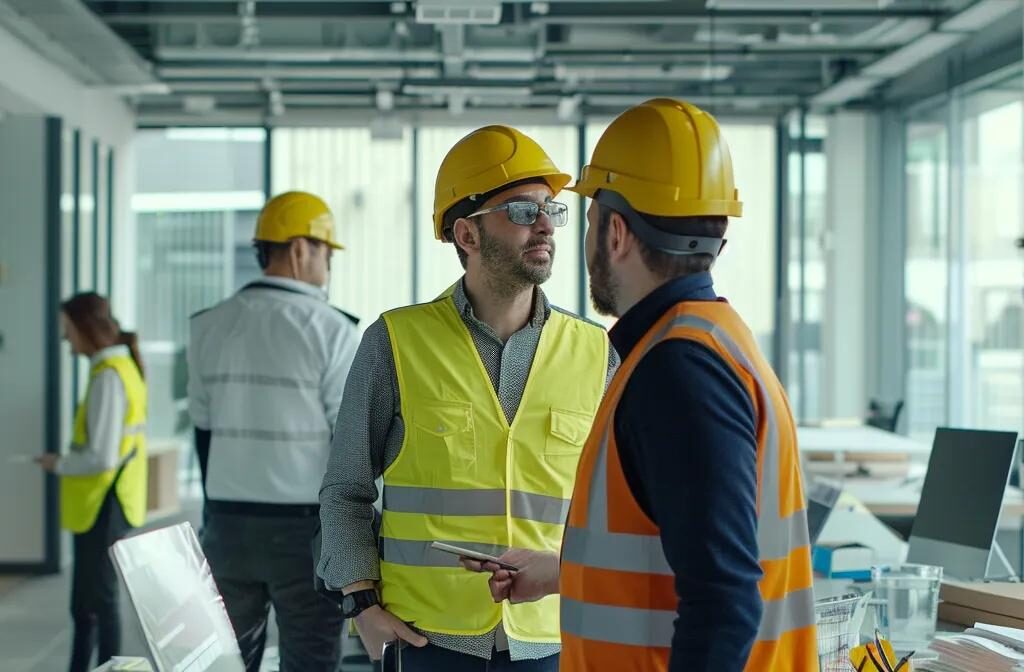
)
(466, 477)
(81, 497)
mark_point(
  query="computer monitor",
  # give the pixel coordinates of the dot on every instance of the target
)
(173, 592)
(821, 500)
(961, 499)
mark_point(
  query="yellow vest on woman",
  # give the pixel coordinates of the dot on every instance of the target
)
(466, 477)
(81, 497)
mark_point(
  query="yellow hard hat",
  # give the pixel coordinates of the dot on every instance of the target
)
(296, 214)
(488, 159)
(666, 158)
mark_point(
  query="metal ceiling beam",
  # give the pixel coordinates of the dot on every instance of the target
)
(773, 49)
(146, 19)
(309, 55)
(560, 13)
(668, 53)
(758, 109)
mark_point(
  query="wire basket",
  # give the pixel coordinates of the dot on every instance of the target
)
(838, 621)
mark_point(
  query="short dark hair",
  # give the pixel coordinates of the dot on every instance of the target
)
(464, 207)
(665, 264)
(267, 251)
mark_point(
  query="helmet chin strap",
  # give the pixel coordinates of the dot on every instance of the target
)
(669, 243)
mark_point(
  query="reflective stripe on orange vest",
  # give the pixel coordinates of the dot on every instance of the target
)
(618, 590)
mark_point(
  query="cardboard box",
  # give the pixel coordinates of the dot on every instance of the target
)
(968, 617)
(966, 603)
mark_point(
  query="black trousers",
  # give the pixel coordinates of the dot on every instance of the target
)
(259, 561)
(94, 588)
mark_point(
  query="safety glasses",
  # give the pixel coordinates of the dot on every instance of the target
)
(525, 213)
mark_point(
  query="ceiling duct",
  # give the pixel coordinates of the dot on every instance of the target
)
(799, 5)
(590, 73)
(461, 12)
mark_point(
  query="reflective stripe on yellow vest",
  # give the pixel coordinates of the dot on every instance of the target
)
(465, 477)
(81, 497)
(618, 590)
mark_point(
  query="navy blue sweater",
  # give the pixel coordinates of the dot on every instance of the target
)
(687, 441)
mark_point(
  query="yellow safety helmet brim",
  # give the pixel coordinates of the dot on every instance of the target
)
(485, 161)
(296, 214)
(666, 158)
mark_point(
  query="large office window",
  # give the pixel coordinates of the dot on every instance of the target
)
(194, 223)
(964, 274)
(926, 271)
(806, 207)
(437, 265)
(993, 272)
(745, 273)
(368, 185)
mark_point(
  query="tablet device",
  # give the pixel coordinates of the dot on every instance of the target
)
(472, 555)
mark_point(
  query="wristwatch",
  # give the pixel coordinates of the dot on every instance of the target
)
(357, 602)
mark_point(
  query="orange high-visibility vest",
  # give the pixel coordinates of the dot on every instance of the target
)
(618, 591)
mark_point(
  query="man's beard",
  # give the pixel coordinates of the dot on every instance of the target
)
(602, 286)
(506, 263)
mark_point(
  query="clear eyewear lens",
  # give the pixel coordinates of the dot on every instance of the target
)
(526, 213)
(558, 213)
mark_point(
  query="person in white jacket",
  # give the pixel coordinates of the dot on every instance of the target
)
(267, 368)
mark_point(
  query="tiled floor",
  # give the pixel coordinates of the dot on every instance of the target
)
(35, 628)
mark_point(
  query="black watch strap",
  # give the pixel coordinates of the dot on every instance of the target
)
(357, 602)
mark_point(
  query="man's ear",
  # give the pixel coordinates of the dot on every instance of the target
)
(620, 238)
(466, 235)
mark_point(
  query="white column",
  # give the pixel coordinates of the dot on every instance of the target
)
(852, 213)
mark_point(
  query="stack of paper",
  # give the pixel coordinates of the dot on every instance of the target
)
(983, 648)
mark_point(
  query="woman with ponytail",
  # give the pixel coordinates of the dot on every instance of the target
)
(103, 474)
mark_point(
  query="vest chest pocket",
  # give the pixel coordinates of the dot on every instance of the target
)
(567, 433)
(444, 440)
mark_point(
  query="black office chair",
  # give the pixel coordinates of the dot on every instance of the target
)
(884, 416)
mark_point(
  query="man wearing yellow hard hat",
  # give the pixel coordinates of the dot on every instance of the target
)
(686, 546)
(474, 408)
(267, 368)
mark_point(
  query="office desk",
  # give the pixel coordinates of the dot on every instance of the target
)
(860, 439)
(896, 498)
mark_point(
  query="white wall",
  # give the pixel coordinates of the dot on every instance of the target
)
(32, 89)
(23, 351)
(853, 162)
(30, 84)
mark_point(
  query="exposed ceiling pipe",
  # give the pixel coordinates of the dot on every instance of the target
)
(949, 33)
(338, 55)
(280, 72)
